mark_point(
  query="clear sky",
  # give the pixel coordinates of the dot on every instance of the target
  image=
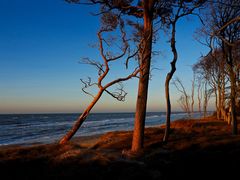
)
(41, 42)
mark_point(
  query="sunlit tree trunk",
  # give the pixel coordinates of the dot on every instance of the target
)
(103, 72)
(205, 103)
(199, 91)
(80, 119)
(233, 92)
(219, 102)
(216, 100)
(141, 104)
(192, 95)
(221, 93)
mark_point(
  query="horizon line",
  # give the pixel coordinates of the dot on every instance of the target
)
(91, 113)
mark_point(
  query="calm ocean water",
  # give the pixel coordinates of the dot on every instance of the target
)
(48, 128)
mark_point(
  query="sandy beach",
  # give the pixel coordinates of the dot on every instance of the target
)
(197, 149)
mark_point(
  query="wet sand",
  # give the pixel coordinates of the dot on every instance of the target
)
(197, 149)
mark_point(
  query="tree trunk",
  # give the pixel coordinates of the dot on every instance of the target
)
(205, 100)
(233, 102)
(192, 95)
(80, 119)
(229, 59)
(139, 124)
(223, 92)
(219, 102)
(199, 97)
(216, 101)
(167, 81)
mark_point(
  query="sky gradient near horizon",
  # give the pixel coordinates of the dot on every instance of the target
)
(41, 43)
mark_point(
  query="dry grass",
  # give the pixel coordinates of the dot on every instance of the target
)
(191, 144)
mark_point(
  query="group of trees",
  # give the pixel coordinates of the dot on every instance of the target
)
(142, 20)
(220, 68)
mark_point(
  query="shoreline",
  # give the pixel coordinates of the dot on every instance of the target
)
(83, 139)
(196, 149)
(89, 140)
(50, 137)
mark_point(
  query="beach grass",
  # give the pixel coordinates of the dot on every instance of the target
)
(197, 149)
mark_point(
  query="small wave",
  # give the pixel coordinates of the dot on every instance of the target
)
(107, 121)
(45, 117)
(96, 121)
(15, 117)
(179, 114)
(153, 116)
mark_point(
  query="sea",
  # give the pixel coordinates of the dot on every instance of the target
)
(25, 129)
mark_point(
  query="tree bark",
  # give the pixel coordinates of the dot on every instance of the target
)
(205, 100)
(219, 101)
(233, 106)
(199, 96)
(80, 119)
(167, 81)
(141, 104)
(216, 100)
(223, 95)
(233, 92)
(192, 95)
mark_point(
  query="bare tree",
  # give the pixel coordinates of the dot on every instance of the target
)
(103, 70)
(184, 99)
(181, 9)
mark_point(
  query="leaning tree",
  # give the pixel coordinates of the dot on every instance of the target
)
(139, 14)
(111, 22)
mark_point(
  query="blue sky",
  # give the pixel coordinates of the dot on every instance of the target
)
(41, 43)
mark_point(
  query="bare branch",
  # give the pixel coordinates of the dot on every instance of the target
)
(119, 94)
(87, 83)
(236, 19)
(98, 65)
(199, 17)
(130, 56)
(184, 100)
(133, 74)
(178, 82)
(125, 44)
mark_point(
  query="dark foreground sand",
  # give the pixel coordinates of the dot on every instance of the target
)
(197, 149)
